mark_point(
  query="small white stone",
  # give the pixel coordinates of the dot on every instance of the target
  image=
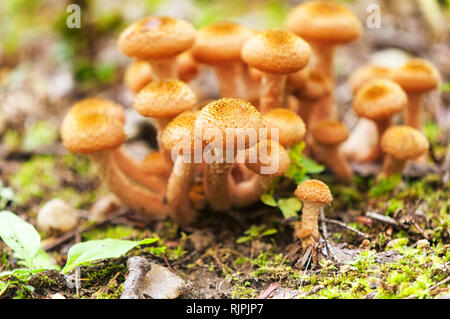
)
(423, 244)
(161, 283)
(57, 296)
(57, 215)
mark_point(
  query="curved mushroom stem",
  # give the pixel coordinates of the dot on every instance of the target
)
(165, 68)
(414, 111)
(391, 166)
(178, 188)
(131, 194)
(308, 229)
(272, 92)
(161, 124)
(376, 152)
(230, 77)
(249, 191)
(218, 185)
(361, 140)
(333, 158)
(135, 171)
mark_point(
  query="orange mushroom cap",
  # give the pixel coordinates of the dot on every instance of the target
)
(330, 132)
(417, 75)
(314, 191)
(291, 126)
(404, 142)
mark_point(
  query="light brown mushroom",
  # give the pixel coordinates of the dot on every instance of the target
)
(328, 137)
(187, 67)
(314, 194)
(416, 77)
(98, 133)
(276, 53)
(137, 75)
(401, 144)
(379, 100)
(291, 128)
(158, 40)
(226, 127)
(219, 45)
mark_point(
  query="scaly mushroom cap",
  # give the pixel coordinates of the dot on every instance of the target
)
(179, 133)
(366, 73)
(404, 142)
(164, 99)
(330, 132)
(93, 125)
(324, 21)
(156, 38)
(291, 126)
(276, 51)
(417, 75)
(268, 155)
(137, 75)
(316, 86)
(379, 99)
(230, 115)
(314, 191)
(220, 42)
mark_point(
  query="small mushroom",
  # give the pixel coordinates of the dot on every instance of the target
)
(223, 124)
(367, 73)
(416, 77)
(137, 75)
(178, 138)
(158, 40)
(379, 100)
(276, 53)
(324, 25)
(164, 100)
(328, 137)
(187, 67)
(267, 160)
(291, 128)
(314, 194)
(96, 129)
(219, 45)
(401, 144)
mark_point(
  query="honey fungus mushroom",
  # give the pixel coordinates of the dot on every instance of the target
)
(314, 194)
(401, 144)
(158, 40)
(276, 53)
(137, 75)
(95, 128)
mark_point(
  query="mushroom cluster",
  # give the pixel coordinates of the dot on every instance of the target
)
(276, 89)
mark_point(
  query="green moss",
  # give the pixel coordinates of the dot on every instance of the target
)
(39, 134)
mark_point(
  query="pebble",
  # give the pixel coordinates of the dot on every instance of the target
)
(161, 283)
(423, 244)
(57, 215)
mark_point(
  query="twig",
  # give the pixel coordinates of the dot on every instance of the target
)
(167, 263)
(307, 265)
(383, 219)
(268, 291)
(137, 269)
(325, 235)
(312, 291)
(344, 225)
(440, 283)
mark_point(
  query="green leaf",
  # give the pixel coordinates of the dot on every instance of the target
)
(20, 236)
(289, 206)
(43, 260)
(269, 232)
(243, 239)
(311, 166)
(268, 200)
(94, 250)
(445, 87)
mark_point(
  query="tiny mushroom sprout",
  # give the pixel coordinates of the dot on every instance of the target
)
(416, 77)
(178, 138)
(314, 194)
(158, 40)
(276, 53)
(324, 25)
(95, 127)
(401, 144)
(219, 45)
(379, 100)
(291, 128)
(267, 159)
(163, 100)
(137, 75)
(328, 137)
(227, 126)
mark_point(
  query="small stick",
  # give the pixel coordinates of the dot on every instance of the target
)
(344, 225)
(167, 263)
(312, 291)
(268, 291)
(381, 218)
(137, 269)
(440, 283)
(325, 235)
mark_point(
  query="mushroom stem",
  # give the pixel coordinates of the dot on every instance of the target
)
(391, 166)
(135, 171)
(129, 193)
(249, 191)
(333, 158)
(230, 77)
(414, 111)
(323, 58)
(376, 152)
(161, 124)
(272, 94)
(322, 110)
(165, 68)
(178, 187)
(308, 231)
(218, 185)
